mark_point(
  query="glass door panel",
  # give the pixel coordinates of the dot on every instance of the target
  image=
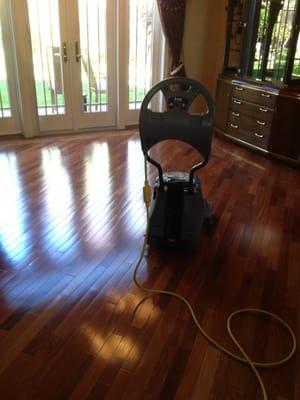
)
(92, 32)
(140, 51)
(9, 122)
(5, 108)
(145, 55)
(50, 60)
(93, 55)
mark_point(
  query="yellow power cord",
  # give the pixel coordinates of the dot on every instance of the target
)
(244, 358)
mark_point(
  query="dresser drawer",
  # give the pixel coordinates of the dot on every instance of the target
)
(255, 138)
(258, 125)
(251, 110)
(254, 95)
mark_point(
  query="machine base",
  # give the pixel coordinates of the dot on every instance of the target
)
(177, 213)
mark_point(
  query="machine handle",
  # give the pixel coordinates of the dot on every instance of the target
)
(158, 166)
(179, 93)
(193, 170)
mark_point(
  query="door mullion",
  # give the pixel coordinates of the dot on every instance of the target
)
(67, 59)
(74, 40)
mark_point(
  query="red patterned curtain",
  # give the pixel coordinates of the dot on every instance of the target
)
(172, 15)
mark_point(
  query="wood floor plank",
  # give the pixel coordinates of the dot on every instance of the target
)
(73, 324)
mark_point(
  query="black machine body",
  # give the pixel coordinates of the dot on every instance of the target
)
(178, 208)
(177, 214)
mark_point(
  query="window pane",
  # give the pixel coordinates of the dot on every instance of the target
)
(47, 59)
(273, 40)
(92, 19)
(296, 67)
(140, 52)
(5, 110)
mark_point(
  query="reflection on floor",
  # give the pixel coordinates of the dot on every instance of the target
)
(71, 224)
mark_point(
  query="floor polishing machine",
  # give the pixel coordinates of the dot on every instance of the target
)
(178, 209)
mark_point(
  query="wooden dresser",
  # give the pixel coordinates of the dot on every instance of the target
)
(258, 116)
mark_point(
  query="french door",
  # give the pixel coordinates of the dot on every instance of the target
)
(9, 121)
(73, 58)
(93, 60)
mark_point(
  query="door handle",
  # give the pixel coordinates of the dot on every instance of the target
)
(65, 52)
(77, 52)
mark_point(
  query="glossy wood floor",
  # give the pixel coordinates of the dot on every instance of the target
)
(71, 225)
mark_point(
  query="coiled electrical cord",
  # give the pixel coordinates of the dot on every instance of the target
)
(244, 358)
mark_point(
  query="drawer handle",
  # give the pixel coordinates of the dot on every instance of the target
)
(266, 95)
(263, 123)
(260, 135)
(234, 126)
(263, 109)
(237, 102)
(239, 88)
(235, 114)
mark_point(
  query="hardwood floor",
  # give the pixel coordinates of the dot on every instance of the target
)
(71, 225)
